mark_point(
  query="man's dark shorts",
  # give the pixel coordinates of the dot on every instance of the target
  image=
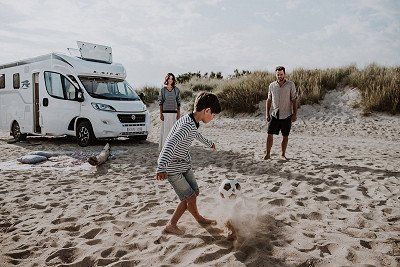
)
(276, 125)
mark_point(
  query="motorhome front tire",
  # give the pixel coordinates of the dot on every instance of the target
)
(16, 132)
(84, 134)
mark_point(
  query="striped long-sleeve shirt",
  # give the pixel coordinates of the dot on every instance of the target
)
(174, 157)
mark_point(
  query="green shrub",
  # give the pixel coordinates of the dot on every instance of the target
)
(202, 87)
(186, 95)
(150, 94)
(379, 86)
(243, 95)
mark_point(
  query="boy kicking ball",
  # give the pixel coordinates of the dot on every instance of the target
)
(174, 161)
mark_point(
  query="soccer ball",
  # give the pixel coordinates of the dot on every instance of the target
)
(229, 188)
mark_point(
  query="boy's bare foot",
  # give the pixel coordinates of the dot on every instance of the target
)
(173, 229)
(267, 157)
(231, 236)
(203, 220)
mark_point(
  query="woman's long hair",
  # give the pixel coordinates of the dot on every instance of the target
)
(173, 79)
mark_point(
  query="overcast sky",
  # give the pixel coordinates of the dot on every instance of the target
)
(153, 37)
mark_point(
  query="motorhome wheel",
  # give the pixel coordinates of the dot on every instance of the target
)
(84, 134)
(16, 132)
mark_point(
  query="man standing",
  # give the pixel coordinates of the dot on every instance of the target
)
(282, 97)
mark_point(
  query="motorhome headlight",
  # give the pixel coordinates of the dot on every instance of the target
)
(104, 107)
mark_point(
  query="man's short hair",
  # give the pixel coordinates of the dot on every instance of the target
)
(207, 100)
(280, 68)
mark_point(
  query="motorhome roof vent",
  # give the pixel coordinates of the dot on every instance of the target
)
(95, 52)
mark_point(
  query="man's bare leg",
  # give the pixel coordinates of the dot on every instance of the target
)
(172, 226)
(270, 141)
(192, 208)
(284, 144)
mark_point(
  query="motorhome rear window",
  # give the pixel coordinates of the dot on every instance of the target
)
(16, 80)
(2, 81)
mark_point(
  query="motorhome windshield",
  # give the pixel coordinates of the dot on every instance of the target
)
(106, 88)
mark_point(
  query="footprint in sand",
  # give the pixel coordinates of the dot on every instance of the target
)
(295, 184)
(311, 216)
(38, 206)
(72, 228)
(274, 189)
(20, 254)
(336, 191)
(63, 220)
(319, 189)
(158, 223)
(93, 242)
(92, 233)
(147, 207)
(66, 255)
(277, 202)
(120, 253)
(321, 198)
(170, 211)
(107, 252)
(105, 218)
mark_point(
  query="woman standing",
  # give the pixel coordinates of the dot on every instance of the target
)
(170, 104)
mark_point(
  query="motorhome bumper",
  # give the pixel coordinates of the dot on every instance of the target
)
(108, 126)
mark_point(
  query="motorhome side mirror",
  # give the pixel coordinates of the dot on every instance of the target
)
(141, 95)
(79, 96)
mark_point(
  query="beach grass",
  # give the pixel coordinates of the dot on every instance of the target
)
(379, 87)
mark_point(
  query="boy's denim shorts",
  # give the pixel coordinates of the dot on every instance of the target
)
(184, 184)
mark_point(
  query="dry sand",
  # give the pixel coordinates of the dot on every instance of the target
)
(335, 201)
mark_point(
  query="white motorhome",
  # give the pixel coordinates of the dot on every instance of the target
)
(84, 96)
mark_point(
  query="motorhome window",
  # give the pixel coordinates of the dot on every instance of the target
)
(107, 88)
(2, 81)
(16, 80)
(59, 86)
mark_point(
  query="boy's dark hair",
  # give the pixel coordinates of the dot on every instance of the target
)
(280, 68)
(207, 100)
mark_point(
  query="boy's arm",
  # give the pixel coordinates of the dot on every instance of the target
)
(203, 140)
(168, 151)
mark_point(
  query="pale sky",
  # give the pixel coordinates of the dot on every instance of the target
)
(153, 37)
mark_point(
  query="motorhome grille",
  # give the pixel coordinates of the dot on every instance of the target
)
(131, 118)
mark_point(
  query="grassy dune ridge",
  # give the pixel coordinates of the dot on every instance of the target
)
(379, 87)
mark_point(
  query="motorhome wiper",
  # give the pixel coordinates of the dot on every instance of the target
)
(98, 96)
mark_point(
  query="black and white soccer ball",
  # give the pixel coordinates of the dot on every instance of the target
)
(229, 188)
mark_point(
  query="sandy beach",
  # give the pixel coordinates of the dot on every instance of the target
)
(335, 202)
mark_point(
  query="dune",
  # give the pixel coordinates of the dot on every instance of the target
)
(335, 201)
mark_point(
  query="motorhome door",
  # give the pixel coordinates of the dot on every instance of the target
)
(59, 104)
(36, 102)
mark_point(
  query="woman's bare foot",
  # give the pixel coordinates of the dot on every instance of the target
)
(267, 157)
(173, 229)
(203, 220)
